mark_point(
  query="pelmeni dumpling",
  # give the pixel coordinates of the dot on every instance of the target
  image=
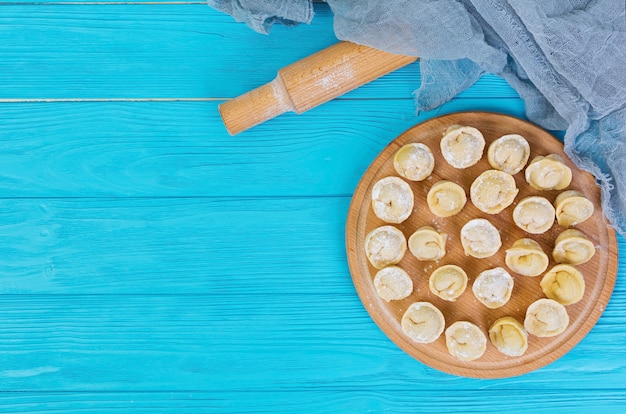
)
(446, 198)
(546, 318)
(509, 336)
(572, 208)
(385, 246)
(572, 247)
(426, 243)
(392, 199)
(509, 153)
(563, 283)
(480, 238)
(493, 287)
(393, 283)
(415, 161)
(465, 341)
(493, 191)
(462, 146)
(548, 173)
(534, 215)
(422, 322)
(527, 258)
(448, 282)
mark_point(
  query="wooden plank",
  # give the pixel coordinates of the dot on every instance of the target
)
(180, 51)
(182, 149)
(182, 246)
(341, 399)
(178, 246)
(244, 340)
(99, 2)
(209, 338)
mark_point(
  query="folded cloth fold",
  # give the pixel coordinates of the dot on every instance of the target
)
(566, 60)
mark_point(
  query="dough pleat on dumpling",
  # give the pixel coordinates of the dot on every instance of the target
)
(527, 258)
(509, 153)
(493, 287)
(563, 283)
(422, 322)
(415, 161)
(385, 246)
(393, 283)
(392, 199)
(509, 336)
(534, 214)
(465, 341)
(546, 318)
(462, 146)
(448, 282)
(548, 173)
(480, 238)
(446, 198)
(426, 243)
(572, 208)
(493, 191)
(573, 247)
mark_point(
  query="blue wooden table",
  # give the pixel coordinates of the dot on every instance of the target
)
(151, 263)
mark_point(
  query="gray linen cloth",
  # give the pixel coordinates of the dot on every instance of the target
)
(565, 58)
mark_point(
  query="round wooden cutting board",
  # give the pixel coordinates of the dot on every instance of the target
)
(599, 273)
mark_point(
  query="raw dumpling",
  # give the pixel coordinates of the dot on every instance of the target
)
(480, 238)
(546, 318)
(572, 247)
(527, 258)
(465, 341)
(385, 246)
(534, 215)
(509, 336)
(462, 146)
(548, 173)
(493, 287)
(572, 208)
(509, 153)
(427, 244)
(448, 282)
(446, 198)
(393, 283)
(392, 199)
(423, 322)
(415, 162)
(493, 191)
(563, 283)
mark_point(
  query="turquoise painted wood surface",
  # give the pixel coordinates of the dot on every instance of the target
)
(150, 263)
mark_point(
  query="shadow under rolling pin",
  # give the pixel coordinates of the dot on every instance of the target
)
(310, 82)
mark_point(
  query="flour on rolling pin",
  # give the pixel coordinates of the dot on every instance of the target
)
(336, 79)
(310, 82)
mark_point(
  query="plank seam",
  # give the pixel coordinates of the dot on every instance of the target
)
(443, 389)
(102, 3)
(175, 197)
(54, 100)
(81, 100)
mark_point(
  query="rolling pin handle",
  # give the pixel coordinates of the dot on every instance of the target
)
(255, 107)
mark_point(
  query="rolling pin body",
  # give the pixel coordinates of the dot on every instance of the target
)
(310, 82)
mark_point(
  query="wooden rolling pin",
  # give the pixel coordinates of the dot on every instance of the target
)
(310, 82)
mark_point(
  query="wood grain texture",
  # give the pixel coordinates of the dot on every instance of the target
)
(167, 149)
(310, 82)
(402, 400)
(135, 269)
(173, 245)
(600, 272)
(165, 51)
(245, 342)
